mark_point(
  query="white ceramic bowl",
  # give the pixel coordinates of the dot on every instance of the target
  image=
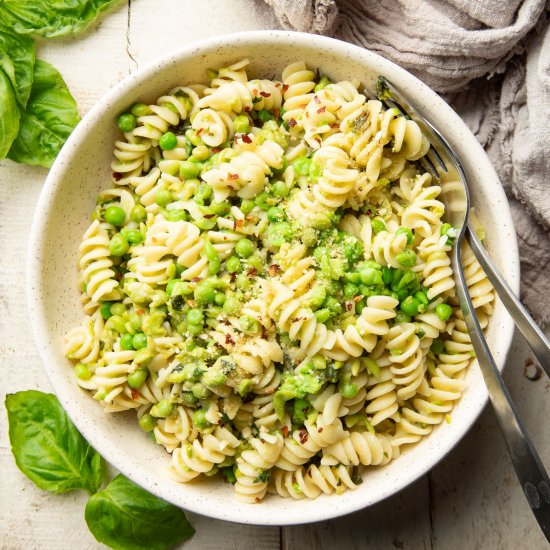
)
(63, 212)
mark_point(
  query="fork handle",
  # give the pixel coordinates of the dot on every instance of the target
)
(529, 468)
(529, 329)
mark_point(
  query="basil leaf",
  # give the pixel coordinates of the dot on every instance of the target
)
(17, 60)
(126, 517)
(51, 19)
(49, 118)
(47, 447)
(9, 115)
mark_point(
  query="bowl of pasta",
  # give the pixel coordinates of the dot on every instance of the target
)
(240, 283)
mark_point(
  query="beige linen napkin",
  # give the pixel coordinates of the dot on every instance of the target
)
(491, 60)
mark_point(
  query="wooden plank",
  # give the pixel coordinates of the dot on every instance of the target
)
(399, 522)
(477, 501)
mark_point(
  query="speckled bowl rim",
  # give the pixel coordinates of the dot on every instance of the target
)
(322, 508)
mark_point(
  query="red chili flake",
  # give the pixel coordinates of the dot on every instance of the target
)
(208, 216)
(303, 436)
(140, 311)
(216, 150)
(264, 335)
(135, 394)
(319, 430)
(246, 138)
(233, 277)
(335, 125)
(196, 279)
(284, 429)
(274, 269)
(292, 123)
(369, 212)
(285, 88)
(317, 100)
(307, 114)
(276, 113)
(277, 84)
(295, 319)
(265, 94)
(233, 176)
(246, 109)
(309, 472)
(252, 272)
(118, 275)
(229, 340)
(117, 176)
(257, 500)
(321, 109)
(239, 224)
(199, 131)
(349, 306)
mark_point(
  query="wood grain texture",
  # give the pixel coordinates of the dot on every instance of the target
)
(471, 500)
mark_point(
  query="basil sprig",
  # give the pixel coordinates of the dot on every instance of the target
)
(125, 517)
(51, 452)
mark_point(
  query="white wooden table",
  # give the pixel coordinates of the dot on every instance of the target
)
(470, 500)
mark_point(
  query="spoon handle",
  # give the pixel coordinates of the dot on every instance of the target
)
(529, 468)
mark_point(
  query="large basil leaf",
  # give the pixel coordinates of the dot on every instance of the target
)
(9, 114)
(51, 18)
(17, 61)
(49, 118)
(47, 447)
(125, 517)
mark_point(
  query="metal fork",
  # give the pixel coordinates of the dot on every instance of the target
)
(443, 164)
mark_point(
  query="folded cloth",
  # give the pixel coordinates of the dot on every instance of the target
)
(491, 61)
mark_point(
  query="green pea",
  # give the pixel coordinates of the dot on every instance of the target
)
(116, 323)
(407, 258)
(438, 346)
(163, 197)
(406, 231)
(219, 299)
(319, 362)
(249, 325)
(242, 282)
(114, 215)
(105, 310)
(402, 294)
(410, 306)
(244, 248)
(231, 305)
(241, 124)
(321, 220)
(192, 137)
(118, 246)
(195, 317)
(162, 409)
(189, 399)
(195, 330)
(247, 206)
(204, 191)
(189, 170)
(233, 265)
(278, 233)
(444, 311)
(140, 109)
(139, 340)
(82, 371)
(213, 378)
(138, 214)
(143, 357)
(275, 214)
(387, 276)
(378, 226)
(168, 141)
(370, 276)
(200, 391)
(201, 152)
(175, 215)
(126, 122)
(199, 419)
(323, 315)
(137, 378)
(280, 190)
(147, 422)
(301, 165)
(220, 208)
(262, 200)
(422, 298)
(134, 236)
(118, 308)
(264, 115)
(317, 296)
(402, 317)
(127, 342)
(348, 390)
